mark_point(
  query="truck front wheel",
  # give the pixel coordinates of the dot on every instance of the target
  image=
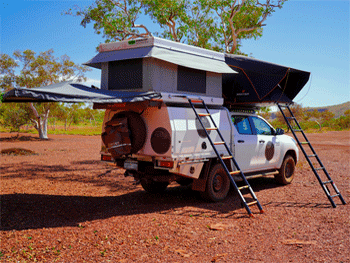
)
(217, 186)
(153, 187)
(286, 172)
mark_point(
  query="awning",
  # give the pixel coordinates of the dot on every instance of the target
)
(261, 82)
(177, 57)
(74, 92)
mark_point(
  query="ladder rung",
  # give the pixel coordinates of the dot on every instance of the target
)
(203, 114)
(327, 182)
(252, 203)
(319, 168)
(211, 129)
(312, 155)
(304, 143)
(226, 157)
(332, 196)
(290, 117)
(235, 172)
(243, 187)
(297, 130)
(218, 143)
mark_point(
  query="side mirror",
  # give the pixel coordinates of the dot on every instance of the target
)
(279, 131)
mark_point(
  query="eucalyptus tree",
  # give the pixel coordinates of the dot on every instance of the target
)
(214, 24)
(28, 69)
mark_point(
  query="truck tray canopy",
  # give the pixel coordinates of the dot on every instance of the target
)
(260, 82)
(73, 92)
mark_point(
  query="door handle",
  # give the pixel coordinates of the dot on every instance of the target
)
(240, 141)
(261, 141)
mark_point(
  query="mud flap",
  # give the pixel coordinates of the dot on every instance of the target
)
(200, 183)
(117, 138)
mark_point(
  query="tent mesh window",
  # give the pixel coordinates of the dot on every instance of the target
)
(125, 74)
(191, 80)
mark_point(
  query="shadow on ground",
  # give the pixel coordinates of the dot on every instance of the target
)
(33, 211)
(23, 138)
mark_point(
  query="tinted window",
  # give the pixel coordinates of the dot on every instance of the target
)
(261, 127)
(191, 80)
(125, 74)
(242, 124)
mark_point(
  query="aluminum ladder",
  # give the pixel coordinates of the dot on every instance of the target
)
(320, 167)
(239, 172)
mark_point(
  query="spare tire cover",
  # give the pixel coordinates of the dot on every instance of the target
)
(116, 137)
(137, 129)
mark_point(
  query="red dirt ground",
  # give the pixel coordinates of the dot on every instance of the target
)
(63, 205)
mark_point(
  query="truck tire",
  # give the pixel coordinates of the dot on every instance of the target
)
(217, 185)
(153, 187)
(286, 172)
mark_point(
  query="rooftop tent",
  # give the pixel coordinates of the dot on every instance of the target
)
(260, 82)
(155, 64)
(73, 92)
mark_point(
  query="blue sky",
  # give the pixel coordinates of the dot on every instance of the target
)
(309, 35)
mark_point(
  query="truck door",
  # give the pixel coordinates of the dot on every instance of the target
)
(245, 142)
(268, 149)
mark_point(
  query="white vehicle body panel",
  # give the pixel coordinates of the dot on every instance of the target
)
(246, 151)
(185, 138)
(189, 151)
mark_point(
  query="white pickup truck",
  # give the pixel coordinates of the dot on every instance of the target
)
(162, 141)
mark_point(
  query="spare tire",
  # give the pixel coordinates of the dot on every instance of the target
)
(137, 129)
(116, 137)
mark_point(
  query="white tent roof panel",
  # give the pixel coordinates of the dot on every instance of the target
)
(173, 52)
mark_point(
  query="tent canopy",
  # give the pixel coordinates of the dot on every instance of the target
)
(73, 92)
(261, 82)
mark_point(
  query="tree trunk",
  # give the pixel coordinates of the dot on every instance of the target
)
(40, 124)
(234, 44)
(45, 123)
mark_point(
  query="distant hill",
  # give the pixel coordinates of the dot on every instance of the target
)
(338, 109)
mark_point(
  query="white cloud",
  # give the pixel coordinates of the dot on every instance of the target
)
(89, 82)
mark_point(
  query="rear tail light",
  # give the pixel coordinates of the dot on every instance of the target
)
(166, 164)
(107, 158)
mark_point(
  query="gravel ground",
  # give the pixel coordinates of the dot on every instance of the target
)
(61, 204)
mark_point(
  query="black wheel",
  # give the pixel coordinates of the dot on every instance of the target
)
(286, 172)
(153, 187)
(217, 186)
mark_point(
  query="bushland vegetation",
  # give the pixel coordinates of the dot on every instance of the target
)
(311, 119)
(72, 118)
(81, 119)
